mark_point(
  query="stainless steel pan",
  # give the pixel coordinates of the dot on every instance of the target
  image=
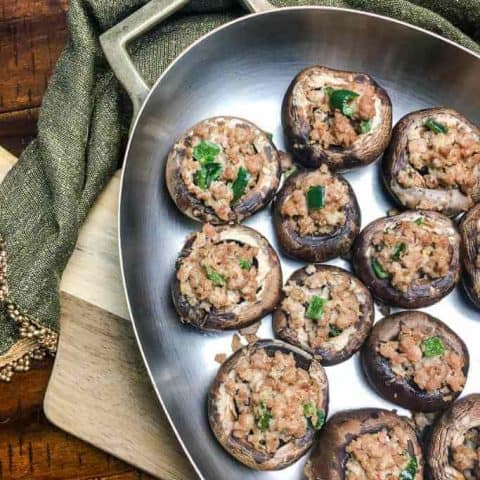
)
(245, 69)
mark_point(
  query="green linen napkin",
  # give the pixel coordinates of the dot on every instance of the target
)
(81, 137)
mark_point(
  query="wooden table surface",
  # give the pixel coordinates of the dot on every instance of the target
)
(32, 35)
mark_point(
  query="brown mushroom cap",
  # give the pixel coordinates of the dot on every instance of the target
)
(328, 459)
(455, 422)
(450, 202)
(297, 127)
(340, 348)
(241, 450)
(253, 200)
(417, 295)
(245, 313)
(313, 248)
(393, 387)
(470, 249)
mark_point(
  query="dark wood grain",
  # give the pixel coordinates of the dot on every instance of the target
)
(32, 36)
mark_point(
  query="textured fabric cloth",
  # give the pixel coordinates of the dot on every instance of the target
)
(81, 137)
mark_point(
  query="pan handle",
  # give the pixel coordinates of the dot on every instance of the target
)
(114, 42)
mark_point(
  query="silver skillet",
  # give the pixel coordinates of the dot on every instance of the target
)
(243, 69)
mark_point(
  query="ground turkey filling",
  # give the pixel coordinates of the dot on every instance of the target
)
(272, 402)
(217, 273)
(318, 221)
(410, 253)
(465, 454)
(335, 322)
(425, 358)
(330, 125)
(382, 455)
(439, 160)
(240, 159)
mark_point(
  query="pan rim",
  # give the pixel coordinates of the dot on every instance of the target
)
(245, 18)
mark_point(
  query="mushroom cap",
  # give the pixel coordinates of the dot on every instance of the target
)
(341, 351)
(327, 461)
(245, 313)
(463, 415)
(362, 152)
(449, 202)
(391, 386)
(255, 199)
(469, 233)
(416, 296)
(240, 449)
(313, 248)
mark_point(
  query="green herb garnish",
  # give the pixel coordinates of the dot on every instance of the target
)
(269, 135)
(378, 269)
(206, 174)
(398, 250)
(290, 171)
(419, 221)
(316, 197)
(215, 277)
(340, 100)
(263, 420)
(434, 126)
(205, 151)
(365, 126)
(410, 470)
(315, 308)
(334, 331)
(310, 411)
(240, 184)
(245, 264)
(433, 346)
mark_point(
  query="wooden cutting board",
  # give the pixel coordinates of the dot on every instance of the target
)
(99, 390)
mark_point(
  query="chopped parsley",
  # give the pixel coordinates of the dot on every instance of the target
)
(263, 419)
(315, 308)
(311, 412)
(432, 347)
(334, 331)
(215, 277)
(398, 250)
(245, 264)
(240, 184)
(340, 100)
(206, 174)
(316, 197)
(410, 470)
(365, 126)
(206, 151)
(435, 126)
(378, 269)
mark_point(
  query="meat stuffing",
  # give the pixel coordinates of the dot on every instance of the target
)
(465, 454)
(271, 401)
(381, 455)
(447, 157)
(320, 221)
(341, 300)
(219, 274)
(220, 154)
(336, 118)
(426, 359)
(411, 253)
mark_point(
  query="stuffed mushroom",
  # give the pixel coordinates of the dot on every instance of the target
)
(266, 404)
(409, 260)
(226, 277)
(222, 170)
(433, 162)
(365, 444)
(326, 311)
(415, 361)
(470, 253)
(316, 215)
(454, 449)
(342, 119)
